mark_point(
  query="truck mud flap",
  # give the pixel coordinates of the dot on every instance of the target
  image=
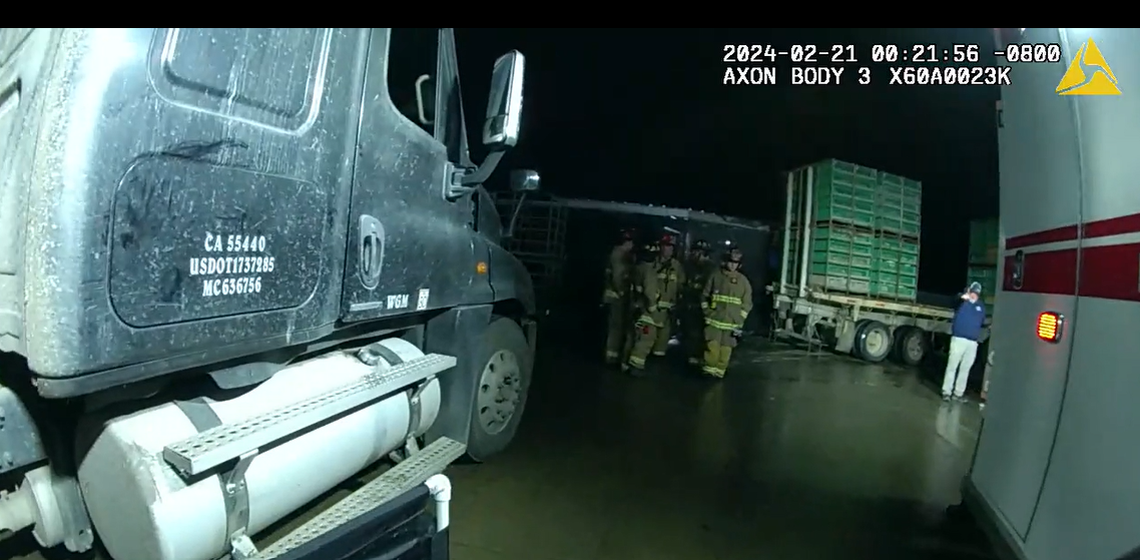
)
(385, 519)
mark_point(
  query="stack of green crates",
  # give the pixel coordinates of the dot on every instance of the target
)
(844, 193)
(898, 205)
(865, 230)
(896, 267)
(842, 258)
(983, 257)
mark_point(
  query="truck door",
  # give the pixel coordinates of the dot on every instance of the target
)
(1040, 228)
(410, 248)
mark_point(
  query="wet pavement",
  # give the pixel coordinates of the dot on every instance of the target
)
(792, 456)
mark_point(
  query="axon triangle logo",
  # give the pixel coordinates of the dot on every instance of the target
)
(1089, 74)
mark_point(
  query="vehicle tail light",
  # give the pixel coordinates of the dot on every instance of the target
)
(1049, 326)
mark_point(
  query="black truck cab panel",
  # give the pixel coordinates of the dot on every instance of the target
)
(181, 197)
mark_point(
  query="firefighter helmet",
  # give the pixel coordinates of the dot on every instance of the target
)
(648, 252)
(733, 254)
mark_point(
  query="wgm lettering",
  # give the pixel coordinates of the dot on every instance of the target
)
(250, 267)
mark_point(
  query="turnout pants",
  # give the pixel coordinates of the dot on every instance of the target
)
(718, 351)
(693, 335)
(962, 354)
(664, 332)
(645, 333)
(617, 330)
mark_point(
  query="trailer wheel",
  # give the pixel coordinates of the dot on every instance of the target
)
(500, 396)
(912, 346)
(873, 341)
(858, 331)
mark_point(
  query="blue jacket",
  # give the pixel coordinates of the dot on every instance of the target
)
(968, 320)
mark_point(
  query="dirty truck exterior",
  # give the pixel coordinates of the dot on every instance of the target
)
(245, 218)
(1055, 469)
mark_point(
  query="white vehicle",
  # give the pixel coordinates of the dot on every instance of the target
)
(1056, 472)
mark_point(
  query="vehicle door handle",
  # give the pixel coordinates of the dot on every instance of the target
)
(1017, 275)
(371, 254)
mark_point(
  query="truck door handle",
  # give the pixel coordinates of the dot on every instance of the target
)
(1017, 275)
(371, 254)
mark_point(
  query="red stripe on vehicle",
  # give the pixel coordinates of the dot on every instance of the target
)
(1067, 233)
(1100, 228)
(1107, 272)
(1112, 226)
(1048, 272)
(1111, 272)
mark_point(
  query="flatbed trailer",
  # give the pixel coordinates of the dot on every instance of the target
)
(872, 328)
(869, 328)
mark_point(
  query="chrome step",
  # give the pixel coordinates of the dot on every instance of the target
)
(408, 474)
(215, 446)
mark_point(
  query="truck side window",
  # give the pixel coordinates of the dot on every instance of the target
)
(412, 52)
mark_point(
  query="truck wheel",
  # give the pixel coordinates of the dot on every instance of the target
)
(912, 346)
(858, 332)
(500, 396)
(873, 341)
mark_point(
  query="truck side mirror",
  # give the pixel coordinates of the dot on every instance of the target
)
(425, 91)
(524, 180)
(504, 106)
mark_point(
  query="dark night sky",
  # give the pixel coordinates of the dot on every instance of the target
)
(642, 116)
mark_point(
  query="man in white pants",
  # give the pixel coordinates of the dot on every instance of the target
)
(964, 334)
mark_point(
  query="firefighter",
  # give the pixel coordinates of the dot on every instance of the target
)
(726, 301)
(647, 316)
(616, 295)
(698, 267)
(670, 285)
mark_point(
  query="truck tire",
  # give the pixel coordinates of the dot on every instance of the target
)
(911, 346)
(500, 396)
(873, 342)
(855, 343)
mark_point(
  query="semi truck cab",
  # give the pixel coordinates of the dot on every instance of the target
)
(1054, 473)
(238, 266)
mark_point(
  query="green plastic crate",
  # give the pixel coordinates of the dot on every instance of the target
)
(840, 283)
(897, 225)
(887, 290)
(885, 278)
(908, 281)
(882, 265)
(907, 293)
(910, 248)
(984, 237)
(831, 257)
(844, 215)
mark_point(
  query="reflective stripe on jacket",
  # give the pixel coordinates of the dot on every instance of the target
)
(727, 300)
